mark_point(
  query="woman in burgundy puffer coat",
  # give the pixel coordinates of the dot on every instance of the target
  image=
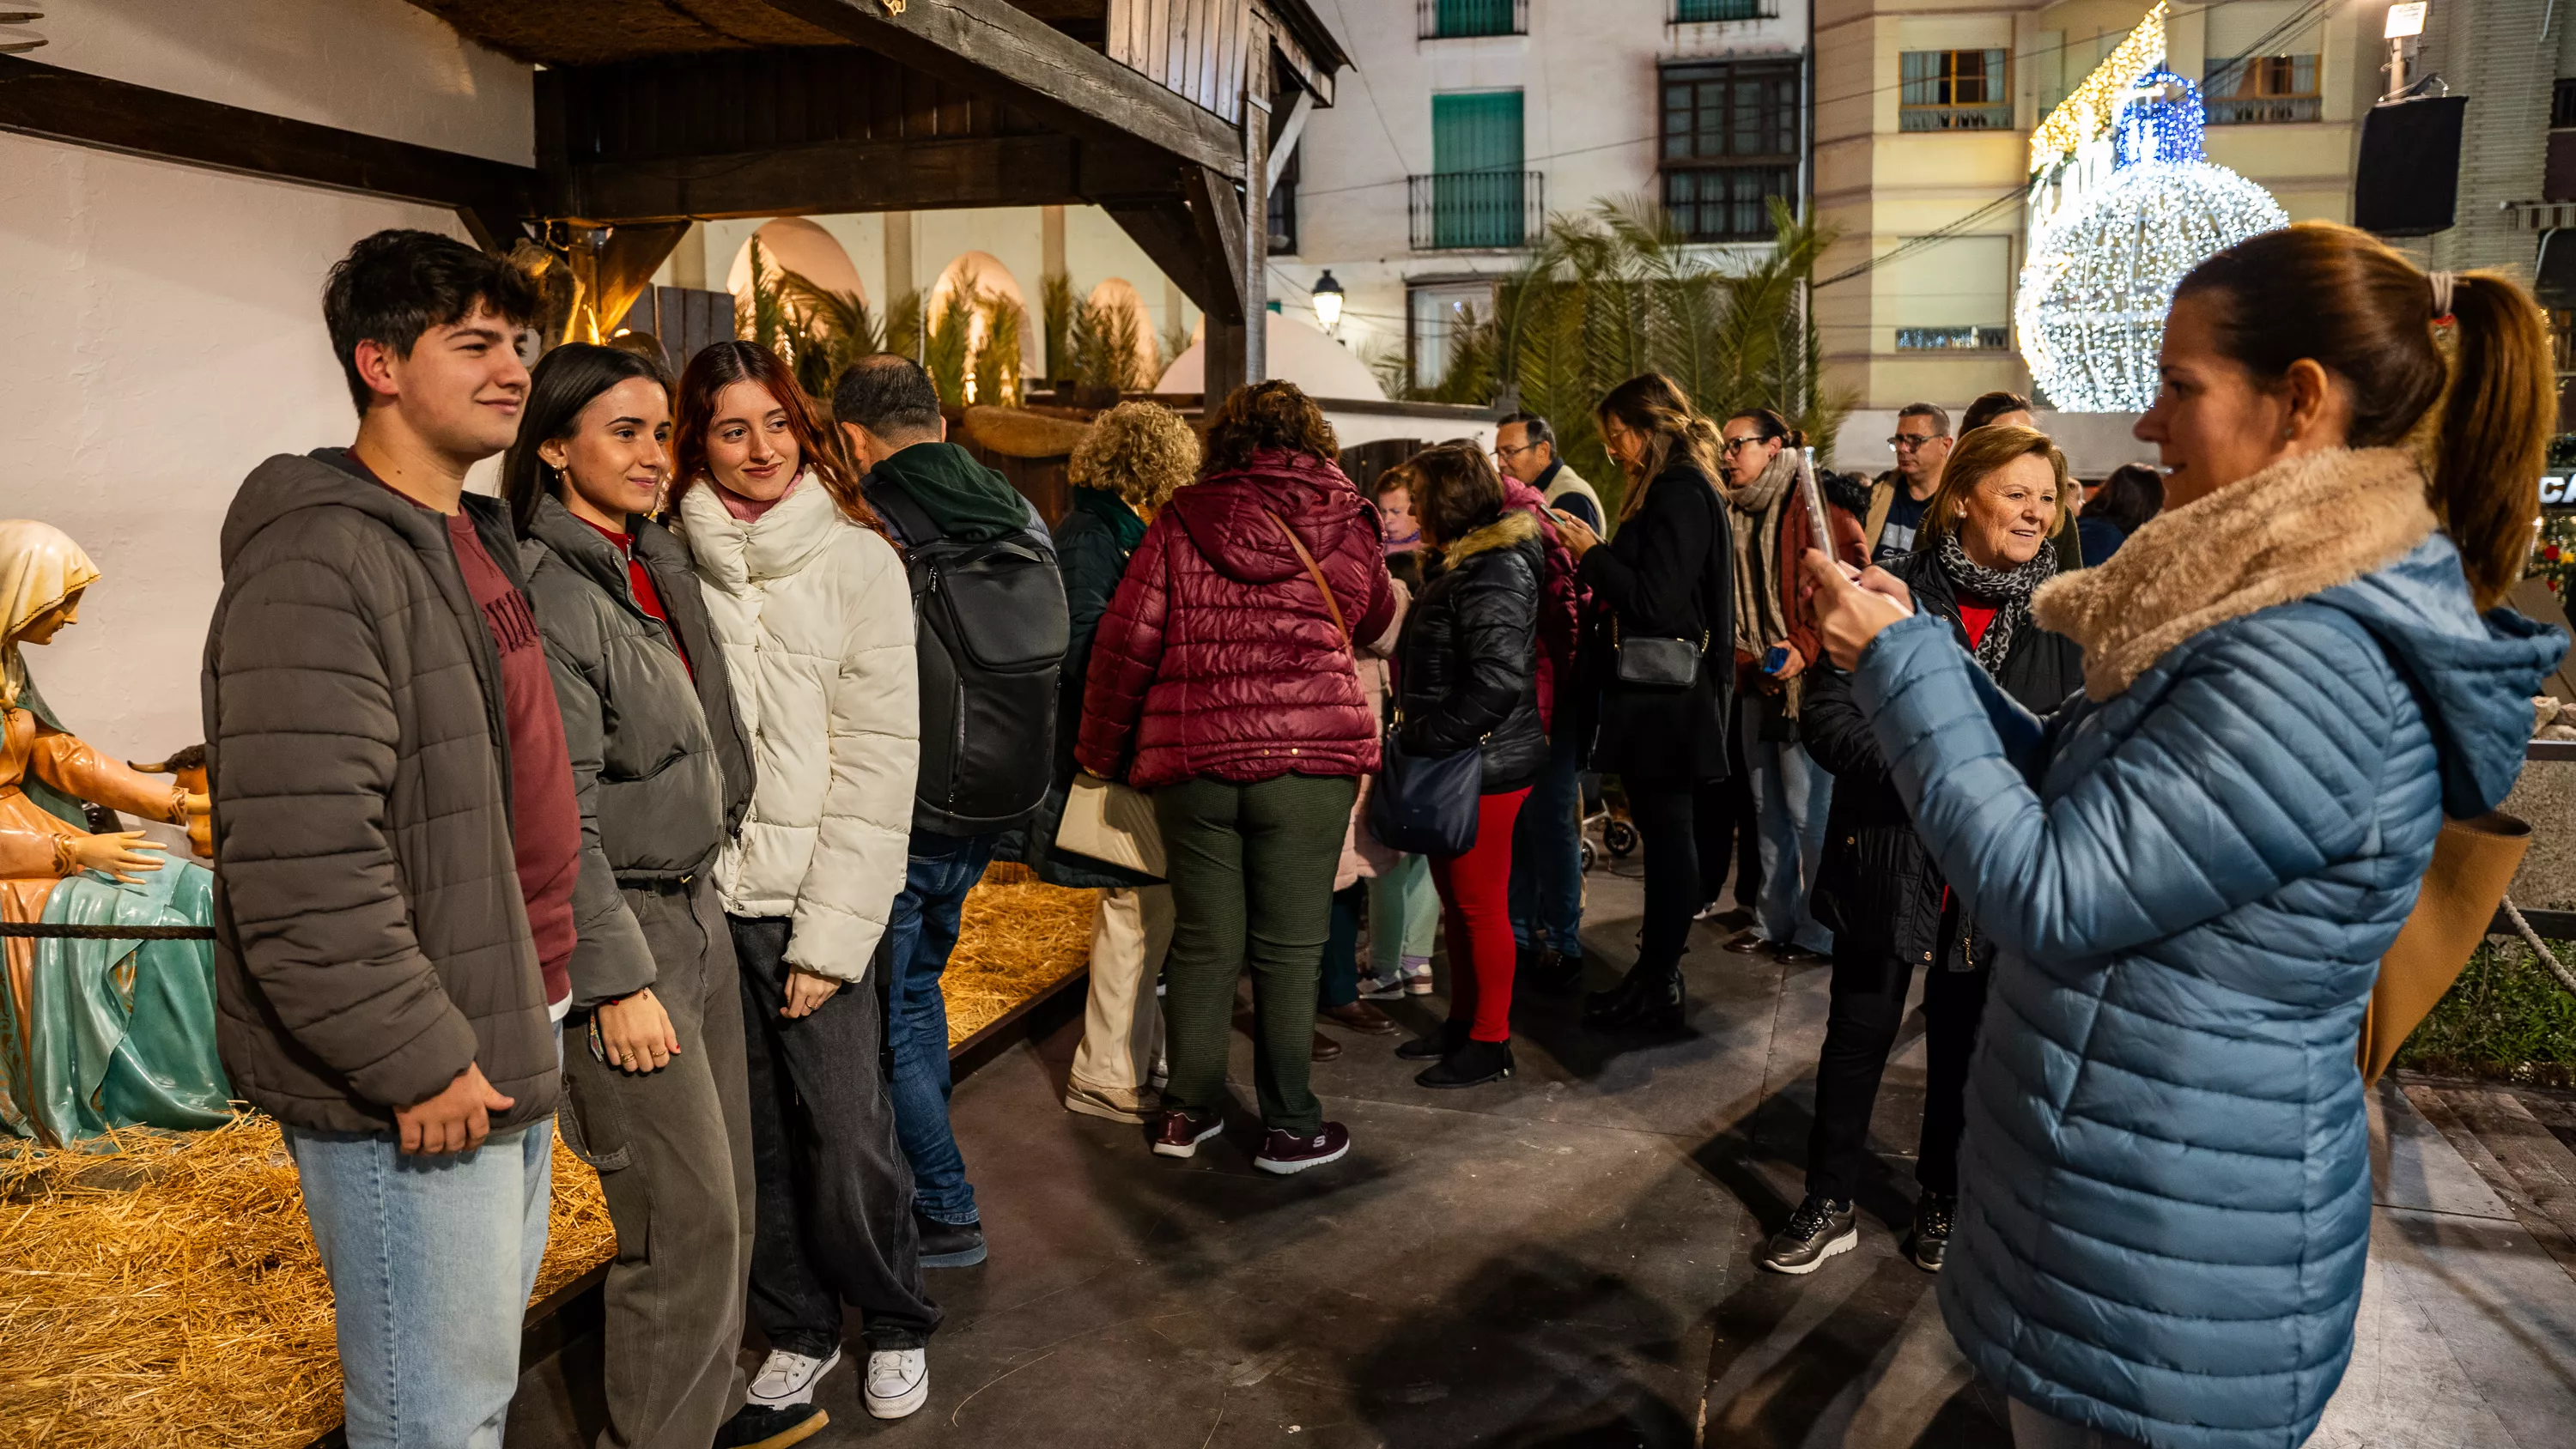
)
(1222, 684)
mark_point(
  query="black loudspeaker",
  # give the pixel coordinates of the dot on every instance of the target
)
(2408, 182)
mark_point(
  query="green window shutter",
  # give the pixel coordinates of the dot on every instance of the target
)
(1476, 131)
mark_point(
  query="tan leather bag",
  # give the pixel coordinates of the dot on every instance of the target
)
(1111, 822)
(2473, 863)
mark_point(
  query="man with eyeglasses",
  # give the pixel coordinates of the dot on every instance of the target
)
(1547, 843)
(1922, 445)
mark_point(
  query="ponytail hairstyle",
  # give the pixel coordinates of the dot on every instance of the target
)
(1651, 404)
(561, 387)
(818, 451)
(2340, 297)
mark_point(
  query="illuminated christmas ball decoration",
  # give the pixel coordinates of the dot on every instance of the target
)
(2101, 271)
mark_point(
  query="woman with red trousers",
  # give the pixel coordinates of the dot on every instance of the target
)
(1467, 679)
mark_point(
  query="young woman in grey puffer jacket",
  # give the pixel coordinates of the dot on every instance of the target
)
(653, 1060)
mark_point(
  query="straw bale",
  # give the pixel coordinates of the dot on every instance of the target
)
(1017, 938)
(1016, 433)
(162, 1288)
(168, 1292)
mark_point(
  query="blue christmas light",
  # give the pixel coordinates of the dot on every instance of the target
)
(2160, 119)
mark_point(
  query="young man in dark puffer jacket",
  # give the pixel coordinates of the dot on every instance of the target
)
(397, 843)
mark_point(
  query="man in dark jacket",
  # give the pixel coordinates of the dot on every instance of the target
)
(397, 843)
(929, 490)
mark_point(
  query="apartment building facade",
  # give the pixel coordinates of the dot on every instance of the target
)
(1465, 123)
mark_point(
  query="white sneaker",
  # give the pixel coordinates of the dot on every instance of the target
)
(789, 1378)
(898, 1382)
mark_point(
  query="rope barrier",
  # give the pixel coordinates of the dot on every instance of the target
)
(2532, 939)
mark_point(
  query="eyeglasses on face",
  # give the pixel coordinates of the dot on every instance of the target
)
(1505, 455)
(1903, 441)
(1728, 447)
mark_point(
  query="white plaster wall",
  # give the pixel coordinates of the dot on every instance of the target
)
(1590, 117)
(164, 325)
(378, 66)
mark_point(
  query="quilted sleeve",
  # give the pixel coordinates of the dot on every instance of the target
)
(302, 735)
(1126, 653)
(861, 845)
(610, 959)
(2256, 765)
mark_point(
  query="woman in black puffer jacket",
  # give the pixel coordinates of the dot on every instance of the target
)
(1983, 548)
(1467, 678)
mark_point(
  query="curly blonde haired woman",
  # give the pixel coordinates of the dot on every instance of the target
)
(1123, 471)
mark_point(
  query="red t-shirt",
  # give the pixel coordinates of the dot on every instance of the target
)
(640, 579)
(544, 817)
(1975, 618)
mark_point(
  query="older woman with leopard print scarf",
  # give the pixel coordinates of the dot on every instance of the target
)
(1983, 551)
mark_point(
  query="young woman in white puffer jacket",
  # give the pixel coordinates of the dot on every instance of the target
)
(811, 605)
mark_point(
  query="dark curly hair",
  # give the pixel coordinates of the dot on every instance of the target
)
(1273, 416)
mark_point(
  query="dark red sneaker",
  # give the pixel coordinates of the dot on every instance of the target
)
(1285, 1152)
(1179, 1134)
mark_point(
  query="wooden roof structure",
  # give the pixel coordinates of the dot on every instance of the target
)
(654, 113)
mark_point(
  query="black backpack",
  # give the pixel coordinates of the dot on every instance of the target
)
(990, 632)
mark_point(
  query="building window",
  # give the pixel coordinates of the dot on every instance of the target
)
(1948, 339)
(2562, 104)
(1283, 207)
(2261, 90)
(1447, 19)
(1730, 144)
(1434, 314)
(1705, 12)
(1953, 90)
(1477, 195)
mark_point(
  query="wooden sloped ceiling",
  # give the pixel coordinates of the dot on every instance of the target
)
(598, 32)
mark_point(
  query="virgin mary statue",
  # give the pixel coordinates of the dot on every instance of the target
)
(95, 1031)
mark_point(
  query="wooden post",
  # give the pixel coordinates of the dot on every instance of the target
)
(1256, 205)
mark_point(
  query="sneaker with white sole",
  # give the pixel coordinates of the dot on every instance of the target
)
(1820, 1228)
(1283, 1151)
(898, 1381)
(789, 1378)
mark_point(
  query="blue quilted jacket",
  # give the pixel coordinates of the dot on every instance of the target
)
(2165, 1179)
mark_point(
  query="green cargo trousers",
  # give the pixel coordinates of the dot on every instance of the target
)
(1251, 869)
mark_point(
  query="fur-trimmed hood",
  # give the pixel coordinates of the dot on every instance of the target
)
(2294, 529)
(1513, 527)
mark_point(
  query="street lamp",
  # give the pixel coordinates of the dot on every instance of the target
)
(1328, 301)
(2405, 21)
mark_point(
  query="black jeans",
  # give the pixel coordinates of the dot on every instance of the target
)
(1673, 896)
(1860, 1028)
(835, 1194)
(1726, 826)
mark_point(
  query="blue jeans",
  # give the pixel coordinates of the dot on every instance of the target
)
(431, 1260)
(920, 935)
(1547, 855)
(1791, 795)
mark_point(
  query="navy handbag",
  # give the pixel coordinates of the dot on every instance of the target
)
(1426, 805)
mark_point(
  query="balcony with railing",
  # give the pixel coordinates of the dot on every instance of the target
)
(2261, 90)
(1455, 19)
(1952, 339)
(1713, 12)
(2263, 110)
(1466, 209)
(1953, 90)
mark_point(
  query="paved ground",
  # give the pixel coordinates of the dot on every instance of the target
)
(1564, 1260)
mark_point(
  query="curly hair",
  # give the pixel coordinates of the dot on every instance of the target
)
(1139, 451)
(1271, 415)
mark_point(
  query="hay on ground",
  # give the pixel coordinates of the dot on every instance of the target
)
(169, 1287)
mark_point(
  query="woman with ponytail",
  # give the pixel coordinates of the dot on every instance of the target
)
(2291, 675)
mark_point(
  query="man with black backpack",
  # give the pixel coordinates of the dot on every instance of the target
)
(990, 634)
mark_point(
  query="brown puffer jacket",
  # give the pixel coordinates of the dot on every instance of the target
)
(1219, 656)
(370, 938)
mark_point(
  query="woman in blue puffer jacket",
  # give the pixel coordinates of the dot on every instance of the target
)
(2194, 868)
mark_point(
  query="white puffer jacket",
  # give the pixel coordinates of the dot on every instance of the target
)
(816, 620)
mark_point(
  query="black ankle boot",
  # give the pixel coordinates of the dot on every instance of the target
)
(1472, 1064)
(1436, 1046)
(1647, 1000)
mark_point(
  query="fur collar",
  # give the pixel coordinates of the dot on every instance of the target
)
(1513, 527)
(2294, 529)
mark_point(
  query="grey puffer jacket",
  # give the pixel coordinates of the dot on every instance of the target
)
(370, 939)
(659, 764)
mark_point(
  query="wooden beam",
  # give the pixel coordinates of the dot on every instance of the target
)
(87, 110)
(1168, 235)
(861, 176)
(993, 45)
(1216, 218)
